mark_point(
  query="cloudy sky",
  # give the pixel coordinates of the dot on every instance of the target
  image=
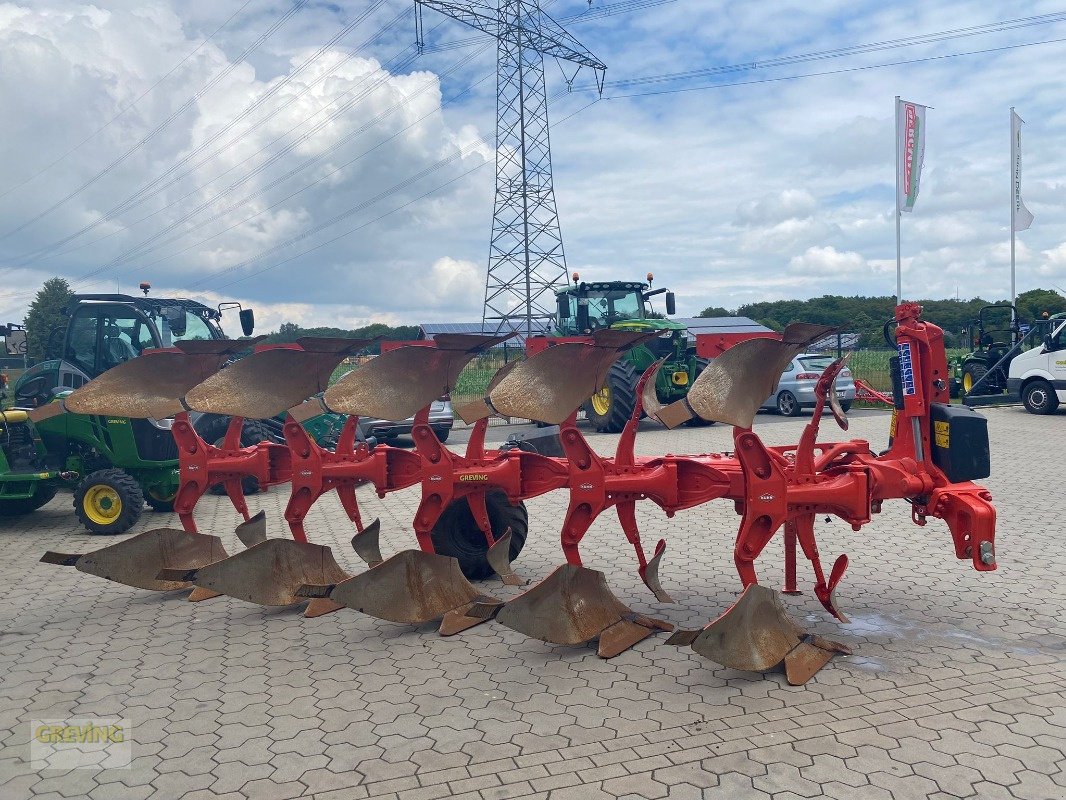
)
(303, 157)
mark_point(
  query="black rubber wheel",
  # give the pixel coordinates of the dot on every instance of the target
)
(954, 388)
(971, 374)
(212, 429)
(442, 434)
(787, 404)
(1039, 398)
(456, 534)
(845, 405)
(108, 501)
(26, 505)
(610, 408)
(159, 503)
(697, 421)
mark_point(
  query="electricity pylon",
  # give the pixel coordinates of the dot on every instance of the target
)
(526, 258)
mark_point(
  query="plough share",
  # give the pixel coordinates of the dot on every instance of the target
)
(935, 451)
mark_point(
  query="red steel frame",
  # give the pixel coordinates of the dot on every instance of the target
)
(773, 488)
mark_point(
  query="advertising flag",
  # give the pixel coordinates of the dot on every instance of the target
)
(1021, 215)
(910, 143)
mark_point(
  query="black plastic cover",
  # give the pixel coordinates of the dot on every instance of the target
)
(960, 443)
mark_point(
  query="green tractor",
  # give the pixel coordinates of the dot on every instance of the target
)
(114, 464)
(995, 332)
(624, 305)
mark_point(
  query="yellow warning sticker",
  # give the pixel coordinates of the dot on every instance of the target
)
(942, 434)
(892, 426)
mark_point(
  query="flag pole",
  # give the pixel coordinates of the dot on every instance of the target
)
(1013, 204)
(899, 262)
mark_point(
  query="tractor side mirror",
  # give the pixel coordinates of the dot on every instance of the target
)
(671, 303)
(175, 318)
(563, 303)
(247, 316)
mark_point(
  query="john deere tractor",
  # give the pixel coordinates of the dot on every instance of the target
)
(624, 305)
(980, 371)
(115, 465)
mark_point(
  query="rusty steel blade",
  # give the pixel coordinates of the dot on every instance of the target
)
(470, 342)
(411, 587)
(139, 386)
(650, 576)
(398, 383)
(137, 561)
(733, 386)
(834, 403)
(754, 634)
(221, 347)
(253, 531)
(809, 656)
(367, 544)
(573, 605)
(499, 557)
(268, 382)
(270, 573)
(649, 397)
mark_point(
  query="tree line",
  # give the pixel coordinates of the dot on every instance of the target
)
(867, 315)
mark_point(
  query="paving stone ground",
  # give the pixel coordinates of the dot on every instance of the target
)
(957, 688)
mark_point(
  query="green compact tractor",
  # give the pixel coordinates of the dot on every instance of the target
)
(622, 305)
(980, 372)
(115, 465)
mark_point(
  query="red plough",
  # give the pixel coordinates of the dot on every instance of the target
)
(935, 452)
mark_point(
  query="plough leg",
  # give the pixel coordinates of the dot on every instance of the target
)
(648, 570)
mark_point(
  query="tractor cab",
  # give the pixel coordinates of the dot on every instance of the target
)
(105, 330)
(587, 307)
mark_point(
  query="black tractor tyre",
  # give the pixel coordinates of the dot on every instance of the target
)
(42, 494)
(954, 388)
(845, 406)
(698, 421)
(787, 404)
(456, 534)
(108, 501)
(621, 386)
(971, 374)
(212, 429)
(1039, 397)
(159, 503)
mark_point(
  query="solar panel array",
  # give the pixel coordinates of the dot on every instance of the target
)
(428, 330)
(846, 341)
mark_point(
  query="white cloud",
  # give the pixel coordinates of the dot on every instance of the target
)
(771, 190)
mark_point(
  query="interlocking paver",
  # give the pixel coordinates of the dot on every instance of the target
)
(955, 689)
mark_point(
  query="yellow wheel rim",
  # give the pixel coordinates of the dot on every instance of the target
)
(601, 401)
(967, 382)
(102, 504)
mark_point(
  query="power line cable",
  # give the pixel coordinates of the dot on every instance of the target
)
(131, 104)
(160, 183)
(293, 10)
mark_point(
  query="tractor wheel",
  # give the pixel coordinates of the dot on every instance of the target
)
(971, 374)
(787, 404)
(698, 421)
(108, 501)
(456, 534)
(157, 502)
(1039, 398)
(212, 429)
(610, 408)
(845, 406)
(25, 505)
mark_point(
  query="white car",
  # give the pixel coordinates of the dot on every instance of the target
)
(795, 390)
